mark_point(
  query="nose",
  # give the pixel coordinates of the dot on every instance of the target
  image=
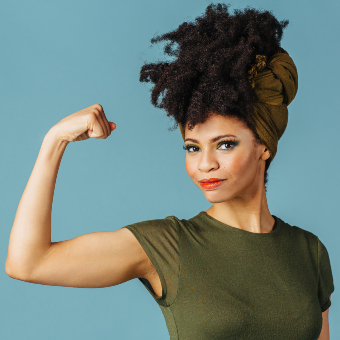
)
(207, 162)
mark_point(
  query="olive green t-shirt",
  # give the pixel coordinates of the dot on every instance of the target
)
(221, 282)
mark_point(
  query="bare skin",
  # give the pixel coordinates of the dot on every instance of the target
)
(241, 200)
(98, 259)
(103, 259)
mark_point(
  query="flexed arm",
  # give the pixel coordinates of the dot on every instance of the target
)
(90, 260)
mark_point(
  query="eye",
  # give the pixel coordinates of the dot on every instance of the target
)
(188, 147)
(228, 142)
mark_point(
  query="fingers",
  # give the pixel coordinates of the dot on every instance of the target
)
(103, 122)
(99, 112)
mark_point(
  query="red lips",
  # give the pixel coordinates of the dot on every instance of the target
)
(210, 180)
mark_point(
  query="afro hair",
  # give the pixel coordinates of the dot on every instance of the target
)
(212, 59)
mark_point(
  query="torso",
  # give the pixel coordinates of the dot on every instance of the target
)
(251, 284)
(153, 277)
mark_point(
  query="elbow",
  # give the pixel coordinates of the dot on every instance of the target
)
(9, 270)
(13, 272)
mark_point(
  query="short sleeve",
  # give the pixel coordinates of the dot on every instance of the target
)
(325, 283)
(160, 240)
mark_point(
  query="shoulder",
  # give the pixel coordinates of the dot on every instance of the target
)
(165, 226)
(306, 241)
(300, 234)
(170, 225)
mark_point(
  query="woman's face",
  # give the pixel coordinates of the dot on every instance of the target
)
(234, 158)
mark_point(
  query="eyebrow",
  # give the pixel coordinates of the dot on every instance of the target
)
(211, 140)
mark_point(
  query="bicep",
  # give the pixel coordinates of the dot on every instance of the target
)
(94, 260)
(324, 335)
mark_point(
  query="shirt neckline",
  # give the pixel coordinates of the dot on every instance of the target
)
(276, 230)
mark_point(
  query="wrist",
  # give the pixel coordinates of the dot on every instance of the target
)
(53, 146)
(53, 137)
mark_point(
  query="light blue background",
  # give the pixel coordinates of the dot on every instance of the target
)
(58, 57)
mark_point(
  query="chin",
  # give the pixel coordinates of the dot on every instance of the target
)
(216, 198)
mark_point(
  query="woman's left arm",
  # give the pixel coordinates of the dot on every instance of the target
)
(324, 335)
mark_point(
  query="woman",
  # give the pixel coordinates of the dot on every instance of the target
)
(234, 271)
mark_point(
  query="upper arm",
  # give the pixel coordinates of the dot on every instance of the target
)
(99, 259)
(324, 335)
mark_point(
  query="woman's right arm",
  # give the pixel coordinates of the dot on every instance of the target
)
(98, 259)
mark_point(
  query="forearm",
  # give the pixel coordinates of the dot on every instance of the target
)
(30, 236)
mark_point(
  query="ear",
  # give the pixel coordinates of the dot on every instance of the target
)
(265, 154)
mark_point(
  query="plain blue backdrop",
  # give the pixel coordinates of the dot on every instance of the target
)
(58, 57)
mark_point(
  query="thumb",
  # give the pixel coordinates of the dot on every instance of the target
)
(91, 134)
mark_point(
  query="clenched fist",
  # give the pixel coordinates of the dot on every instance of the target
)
(84, 124)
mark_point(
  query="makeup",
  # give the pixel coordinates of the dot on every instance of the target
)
(211, 185)
(230, 143)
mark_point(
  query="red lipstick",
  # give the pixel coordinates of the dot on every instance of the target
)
(211, 183)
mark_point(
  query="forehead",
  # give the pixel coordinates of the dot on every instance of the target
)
(217, 125)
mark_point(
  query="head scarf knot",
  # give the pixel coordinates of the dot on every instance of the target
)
(275, 83)
(275, 87)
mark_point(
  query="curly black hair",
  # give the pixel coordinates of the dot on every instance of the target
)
(210, 72)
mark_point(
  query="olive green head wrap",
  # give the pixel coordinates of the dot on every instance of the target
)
(275, 83)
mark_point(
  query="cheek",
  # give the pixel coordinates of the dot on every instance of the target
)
(239, 164)
(190, 167)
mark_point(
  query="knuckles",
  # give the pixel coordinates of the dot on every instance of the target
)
(97, 107)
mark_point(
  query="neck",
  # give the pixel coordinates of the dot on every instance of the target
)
(249, 212)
